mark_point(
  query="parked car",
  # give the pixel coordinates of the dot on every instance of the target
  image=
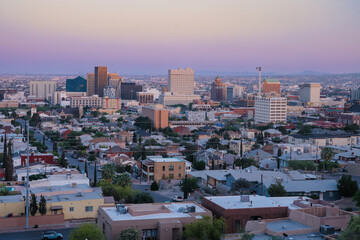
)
(82, 159)
(178, 199)
(48, 235)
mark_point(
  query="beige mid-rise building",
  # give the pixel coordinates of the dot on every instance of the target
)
(181, 81)
(43, 89)
(94, 101)
(310, 93)
(270, 109)
(157, 114)
(155, 168)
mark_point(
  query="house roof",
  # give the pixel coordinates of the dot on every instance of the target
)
(310, 186)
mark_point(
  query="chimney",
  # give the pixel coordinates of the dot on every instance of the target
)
(74, 184)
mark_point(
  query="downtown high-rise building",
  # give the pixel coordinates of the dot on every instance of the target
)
(181, 81)
(269, 109)
(43, 89)
(218, 90)
(101, 80)
(90, 77)
(310, 93)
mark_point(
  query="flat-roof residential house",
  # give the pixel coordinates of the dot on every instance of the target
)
(237, 210)
(161, 221)
(292, 156)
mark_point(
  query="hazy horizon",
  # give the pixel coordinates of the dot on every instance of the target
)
(149, 37)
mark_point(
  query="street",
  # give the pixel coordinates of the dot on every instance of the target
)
(32, 234)
(38, 135)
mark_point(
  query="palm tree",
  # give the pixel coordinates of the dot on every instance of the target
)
(122, 179)
(327, 154)
(108, 171)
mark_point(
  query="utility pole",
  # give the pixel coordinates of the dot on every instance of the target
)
(316, 160)
(27, 176)
(259, 90)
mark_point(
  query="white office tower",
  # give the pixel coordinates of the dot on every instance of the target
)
(310, 93)
(43, 89)
(270, 109)
(181, 81)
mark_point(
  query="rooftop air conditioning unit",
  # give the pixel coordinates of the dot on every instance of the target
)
(80, 194)
(49, 197)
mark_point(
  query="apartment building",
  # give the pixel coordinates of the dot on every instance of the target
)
(158, 115)
(90, 101)
(270, 109)
(156, 168)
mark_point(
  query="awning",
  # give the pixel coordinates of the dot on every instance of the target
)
(56, 208)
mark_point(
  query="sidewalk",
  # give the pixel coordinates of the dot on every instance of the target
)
(67, 224)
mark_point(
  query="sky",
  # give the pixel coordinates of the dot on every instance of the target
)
(152, 36)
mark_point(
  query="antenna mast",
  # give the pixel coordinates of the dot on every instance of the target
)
(259, 90)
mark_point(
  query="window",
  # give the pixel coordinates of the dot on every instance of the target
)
(163, 168)
(179, 175)
(71, 209)
(179, 166)
(88, 208)
(171, 168)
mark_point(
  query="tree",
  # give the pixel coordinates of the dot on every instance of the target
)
(213, 143)
(108, 171)
(276, 190)
(240, 185)
(92, 157)
(351, 128)
(104, 119)
(327, 154)
(352, 232)
(5, 155)
(55, 147)
(142, 197)
(200, 165)
(33, 205)
(189, 185)
(63, 161)
(122, 179)
(35, 120)
(306, 130)
(42, 205)
(144, 123)
(9, 166)
(130, 234)
(86, 168)
(154, 186)
(95, 175)
(87, 231)
(245, 162)
(356, 198)
(205, 229)
(134, 140)
(347, 187)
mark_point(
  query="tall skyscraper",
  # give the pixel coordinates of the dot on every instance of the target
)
(310, 93)
(218, 90)
(101, 80)
(90, 77)
(43, 89)
(181, 81)
(271, 86)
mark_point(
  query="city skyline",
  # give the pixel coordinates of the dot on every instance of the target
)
(150, 38)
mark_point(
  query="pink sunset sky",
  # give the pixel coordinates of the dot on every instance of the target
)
(151, 36)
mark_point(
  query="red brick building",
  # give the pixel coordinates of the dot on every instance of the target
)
(271, 86)
(47, 158)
